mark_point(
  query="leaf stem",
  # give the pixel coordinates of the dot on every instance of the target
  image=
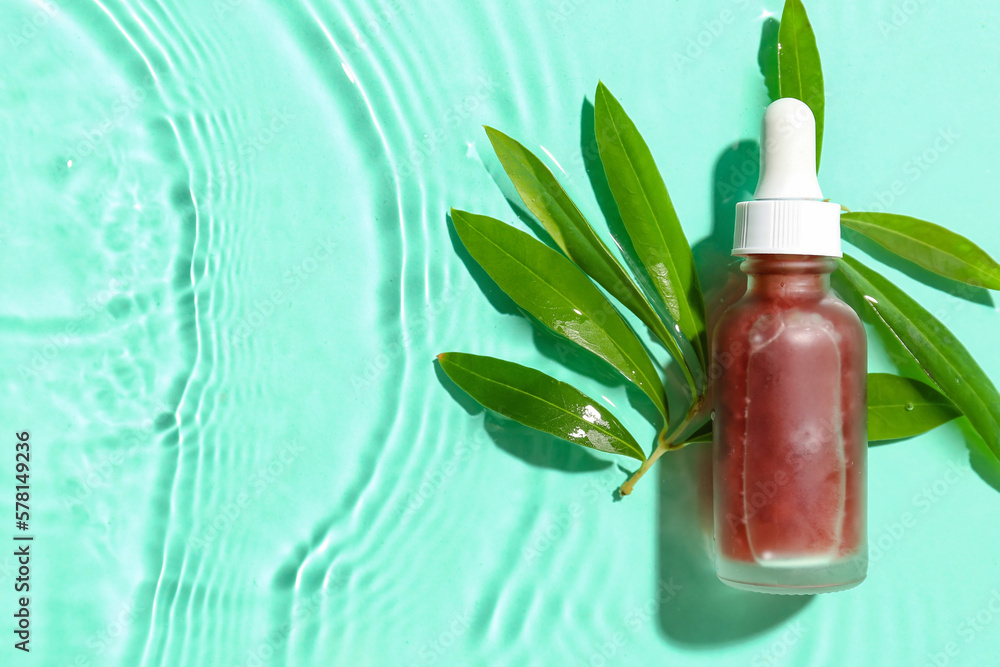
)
(665, 442)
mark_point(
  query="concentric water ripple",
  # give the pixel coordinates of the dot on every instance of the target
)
(230, 267)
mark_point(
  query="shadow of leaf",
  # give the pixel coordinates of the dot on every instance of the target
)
(767, 57)
(981, 458)
(541, 449)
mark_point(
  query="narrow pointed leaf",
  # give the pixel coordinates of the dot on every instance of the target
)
(900, 407)
(559, 295)
(539, 401)
(649, 217)
(928, 245)
(549, 202)
(799, 72)
(938, 352)
(701, 435)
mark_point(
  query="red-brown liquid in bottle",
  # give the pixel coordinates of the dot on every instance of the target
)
(790, 432)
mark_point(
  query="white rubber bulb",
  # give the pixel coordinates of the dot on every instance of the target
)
(788, 152)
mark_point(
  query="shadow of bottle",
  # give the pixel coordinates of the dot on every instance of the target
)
(735, 179)
(705, 611)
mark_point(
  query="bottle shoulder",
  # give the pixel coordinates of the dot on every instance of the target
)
(828, 309)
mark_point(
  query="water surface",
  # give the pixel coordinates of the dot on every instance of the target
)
(229, 268)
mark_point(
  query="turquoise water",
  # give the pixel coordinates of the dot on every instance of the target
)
(229, 268)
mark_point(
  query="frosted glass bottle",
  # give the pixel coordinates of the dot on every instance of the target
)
(790, 432)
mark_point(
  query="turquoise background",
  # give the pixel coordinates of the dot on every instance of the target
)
(228, 268)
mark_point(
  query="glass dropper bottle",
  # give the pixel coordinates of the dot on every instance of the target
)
(790, 413)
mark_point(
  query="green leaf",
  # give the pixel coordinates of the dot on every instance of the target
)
(702, 435)
(941, 356)
(557, 293)
(649, 217)
(928, 245)
(568, 227)
(539, 401)
(799, 72)
(899, 407)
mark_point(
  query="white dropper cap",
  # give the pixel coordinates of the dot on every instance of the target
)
(787, 214)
